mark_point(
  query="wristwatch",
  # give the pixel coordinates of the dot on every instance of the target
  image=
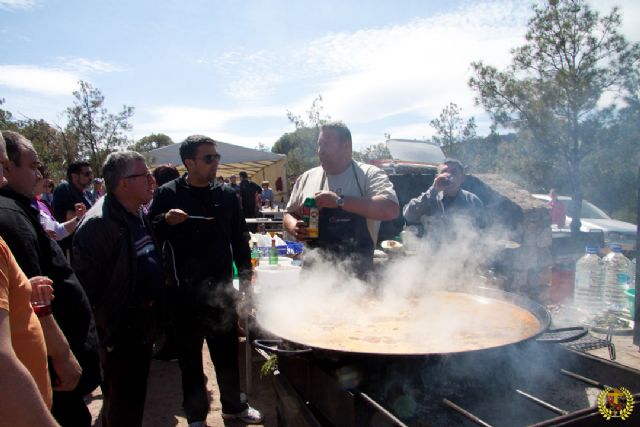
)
(340, 201)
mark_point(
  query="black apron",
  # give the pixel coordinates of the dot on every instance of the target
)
(345, 236)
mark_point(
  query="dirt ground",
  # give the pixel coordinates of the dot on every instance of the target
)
(164, 396)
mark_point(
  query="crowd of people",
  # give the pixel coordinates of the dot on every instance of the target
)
(115, 264)
(124, 256)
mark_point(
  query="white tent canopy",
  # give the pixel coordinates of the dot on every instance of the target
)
(235, 158)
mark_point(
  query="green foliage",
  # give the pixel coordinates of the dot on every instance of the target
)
(300, 148)
(49, 145)
(315, 115)
(450, 127)
(300, 145)
(96, 131)
(372, 152)
(262, 147)
(151, 142)
(269, 366)
(557, 79)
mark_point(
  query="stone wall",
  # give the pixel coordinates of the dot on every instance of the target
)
(527, 220)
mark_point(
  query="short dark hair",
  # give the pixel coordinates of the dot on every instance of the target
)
(165, 173)
(189, 146)
(454, 162)
(340, 129)
(15, 143)
(117, 166)
(243, 174)
(76, 167)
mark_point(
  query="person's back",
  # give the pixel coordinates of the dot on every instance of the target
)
(248, 193)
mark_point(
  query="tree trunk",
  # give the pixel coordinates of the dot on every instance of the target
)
(576, 186)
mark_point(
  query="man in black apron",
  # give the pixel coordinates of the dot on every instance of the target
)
(352, 198)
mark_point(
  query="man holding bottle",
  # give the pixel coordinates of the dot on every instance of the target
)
(435, 208)
(352, 199)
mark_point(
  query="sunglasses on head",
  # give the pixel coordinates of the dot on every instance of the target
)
(210, 158)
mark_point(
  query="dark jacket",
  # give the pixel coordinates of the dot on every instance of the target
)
(38, 255)
(202, 249)
(65, 196)
(105, 261)
(248, 191)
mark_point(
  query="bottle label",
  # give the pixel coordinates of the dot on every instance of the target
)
(313, 224)
(622, 279)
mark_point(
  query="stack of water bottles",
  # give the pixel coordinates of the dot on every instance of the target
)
(600, 284)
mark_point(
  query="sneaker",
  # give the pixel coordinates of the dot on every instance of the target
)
(248, 416)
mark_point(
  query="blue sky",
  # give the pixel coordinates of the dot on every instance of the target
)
(231, 69)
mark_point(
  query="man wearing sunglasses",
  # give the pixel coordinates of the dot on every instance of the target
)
(68, 194)
(201, 227)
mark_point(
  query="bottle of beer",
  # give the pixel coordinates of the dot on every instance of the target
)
(273, 253)
(311, 217)
(255, 256)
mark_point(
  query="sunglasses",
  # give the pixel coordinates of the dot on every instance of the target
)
(210, 158)
(87, 174)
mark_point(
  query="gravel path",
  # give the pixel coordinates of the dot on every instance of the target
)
(164, 396)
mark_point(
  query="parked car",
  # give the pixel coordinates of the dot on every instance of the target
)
(593, 219)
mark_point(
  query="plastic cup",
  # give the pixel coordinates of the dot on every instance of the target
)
(41, 297)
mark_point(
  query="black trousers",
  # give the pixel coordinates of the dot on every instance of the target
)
(69, 409)
(222, 340)
(124, 387)
(126, 370)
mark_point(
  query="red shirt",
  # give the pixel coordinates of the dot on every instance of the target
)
(558, 212)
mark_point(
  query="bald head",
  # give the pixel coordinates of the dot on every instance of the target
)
(21, 164)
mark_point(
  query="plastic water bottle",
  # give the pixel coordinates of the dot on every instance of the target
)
(617, 279)
(587, 286)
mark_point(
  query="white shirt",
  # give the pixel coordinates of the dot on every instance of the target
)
(371, 181)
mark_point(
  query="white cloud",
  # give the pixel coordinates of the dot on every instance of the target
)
(47, 81)
(418, 67)
(17, 4)
(180, 121)
(87, 66)
(60, 79)
(374, 74)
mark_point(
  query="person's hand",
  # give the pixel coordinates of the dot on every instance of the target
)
(41, 289)
(326, 199)
(300, 232)
(442, 181)
(175, 216)
(68, 371)
(80, 210)
(52, 234)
